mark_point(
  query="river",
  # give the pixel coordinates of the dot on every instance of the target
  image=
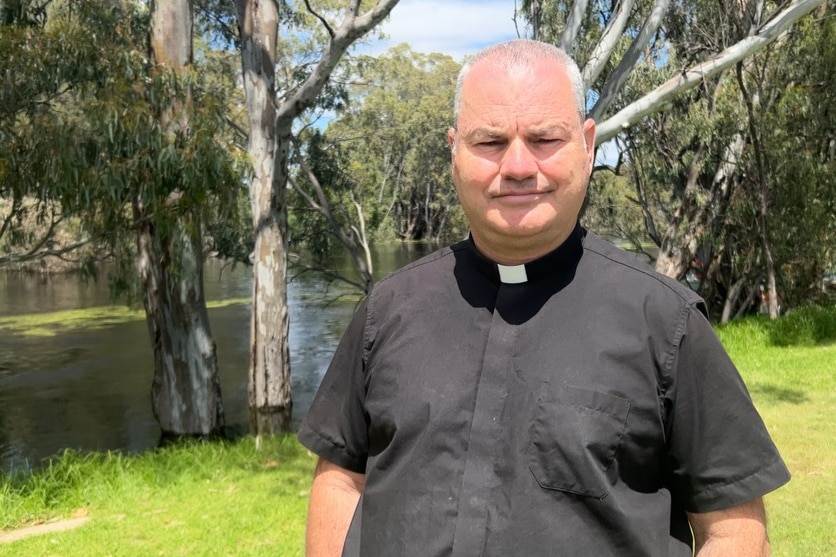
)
(88, 388)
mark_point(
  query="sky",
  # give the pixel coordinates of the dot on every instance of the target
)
(454, 27)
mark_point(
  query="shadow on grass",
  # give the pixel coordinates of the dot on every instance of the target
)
(774, 393)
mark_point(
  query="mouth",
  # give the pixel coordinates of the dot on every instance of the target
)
(518, 196)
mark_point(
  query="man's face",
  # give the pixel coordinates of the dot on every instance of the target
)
(521, 159)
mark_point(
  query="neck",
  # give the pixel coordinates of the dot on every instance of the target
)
(510, 251)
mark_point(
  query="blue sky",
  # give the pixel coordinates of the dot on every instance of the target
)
(454, 27)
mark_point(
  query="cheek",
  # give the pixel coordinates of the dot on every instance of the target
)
(476, 171)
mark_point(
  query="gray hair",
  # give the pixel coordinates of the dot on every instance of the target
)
(523, 53)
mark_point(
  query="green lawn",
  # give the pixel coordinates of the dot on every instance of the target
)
(239, 499)
(201, 499)
(794, 387)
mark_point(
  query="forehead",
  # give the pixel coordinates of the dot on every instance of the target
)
(493, 94)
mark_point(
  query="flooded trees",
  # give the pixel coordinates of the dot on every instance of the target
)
(186, 391)
(271, 121)
(105, 133)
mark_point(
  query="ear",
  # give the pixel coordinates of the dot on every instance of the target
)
(451, 138)
(589, 138)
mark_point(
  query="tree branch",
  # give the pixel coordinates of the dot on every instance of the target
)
(631, 57)
(321, 19)
(36, 253)
(656, 99)
(573, 24)
(352, 27)
(605, 47)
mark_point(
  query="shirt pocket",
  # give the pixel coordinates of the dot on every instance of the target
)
(575, 435)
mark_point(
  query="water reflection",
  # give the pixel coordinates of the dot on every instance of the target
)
(91, 389)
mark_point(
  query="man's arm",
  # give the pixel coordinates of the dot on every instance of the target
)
(334, 495)
(739, 531)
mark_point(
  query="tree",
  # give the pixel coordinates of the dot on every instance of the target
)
(186, 392)
(117, 144)
(271, 122)
(41, 68)
(328, 209)
(696, 157)
(391, 132)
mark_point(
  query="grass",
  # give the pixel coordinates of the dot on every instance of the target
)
(194, 499)
(790, 368)
(236, 499)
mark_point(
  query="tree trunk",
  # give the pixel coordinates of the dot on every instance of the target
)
(269, 148)
(186, 393)
(269, 394)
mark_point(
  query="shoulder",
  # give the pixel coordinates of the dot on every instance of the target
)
(430, 264)
(415, 282)
(625, 271)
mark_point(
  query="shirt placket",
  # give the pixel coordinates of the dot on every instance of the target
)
(479, 479)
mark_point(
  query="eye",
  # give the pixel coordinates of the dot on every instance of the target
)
(490, 143)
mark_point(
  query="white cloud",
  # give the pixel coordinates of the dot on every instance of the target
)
(453, 27)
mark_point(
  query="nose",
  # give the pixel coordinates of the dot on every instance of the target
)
(518, 162)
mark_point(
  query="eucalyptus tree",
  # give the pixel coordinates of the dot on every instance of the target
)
(42, 66)
(118, 133)
(186, 393)
(272, 114)
(644, 58)
(392, 133)
(610, 38)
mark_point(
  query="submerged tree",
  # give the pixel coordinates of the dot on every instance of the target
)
(272, 115)
(392, 132)
(122, 139)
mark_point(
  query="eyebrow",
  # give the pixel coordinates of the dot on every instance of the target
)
(483, 133)
(480, 134)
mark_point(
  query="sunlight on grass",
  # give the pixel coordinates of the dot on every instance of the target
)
(210, 498)
(789, 366)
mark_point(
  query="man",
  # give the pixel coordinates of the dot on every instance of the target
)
(532, 390)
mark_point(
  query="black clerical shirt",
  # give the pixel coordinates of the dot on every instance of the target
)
(580, 407)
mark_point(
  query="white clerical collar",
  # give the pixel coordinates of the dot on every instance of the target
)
(513, 274)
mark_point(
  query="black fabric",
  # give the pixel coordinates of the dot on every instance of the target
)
(580, 413)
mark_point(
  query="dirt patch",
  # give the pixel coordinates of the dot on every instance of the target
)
(9, 536)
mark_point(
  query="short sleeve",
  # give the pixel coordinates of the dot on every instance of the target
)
(719, 450)
(336, 426)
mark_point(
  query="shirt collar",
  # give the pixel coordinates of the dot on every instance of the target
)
(564, 258)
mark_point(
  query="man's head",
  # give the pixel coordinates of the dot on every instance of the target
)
(521, 150)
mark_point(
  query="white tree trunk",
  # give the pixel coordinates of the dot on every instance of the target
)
(186, 393)
(617, 79)
(270, 399)
(604, 49)
(269, 147)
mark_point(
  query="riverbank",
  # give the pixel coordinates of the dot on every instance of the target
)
(247, 499)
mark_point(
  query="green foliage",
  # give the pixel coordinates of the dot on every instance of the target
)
(310, 231)
(710, 178)
(85, 130)
(393, 135)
